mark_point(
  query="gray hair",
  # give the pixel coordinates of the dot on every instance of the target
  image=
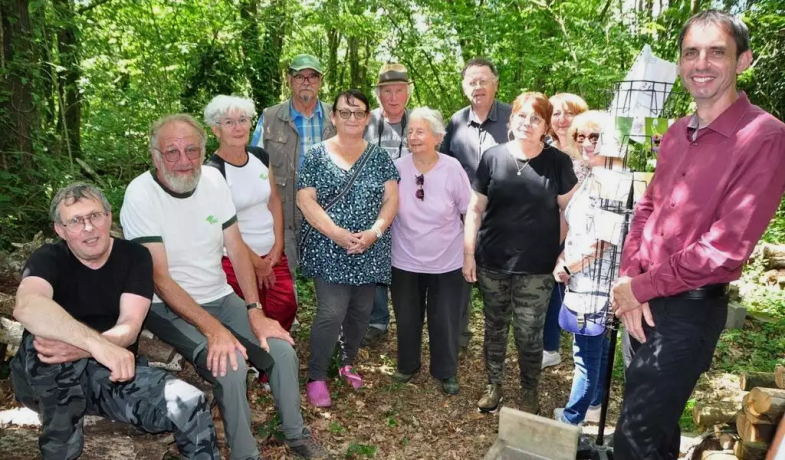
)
(75, 193)
(177, 117)
(221, 105)
(430, 116)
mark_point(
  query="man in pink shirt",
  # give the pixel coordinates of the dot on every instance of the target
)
(720, 178)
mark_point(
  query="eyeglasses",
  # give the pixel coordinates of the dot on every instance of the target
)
(420, 192)
(231, 123)
(581, 138)
(532, 118)
(312, 79)
(358, 114)
(172, 155)
(78, 223)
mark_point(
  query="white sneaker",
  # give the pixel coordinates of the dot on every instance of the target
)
(593, 414)
(558, 415)
(550, 358)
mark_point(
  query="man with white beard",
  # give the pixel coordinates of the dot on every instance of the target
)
(183, 213)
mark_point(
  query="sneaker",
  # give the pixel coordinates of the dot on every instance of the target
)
(491, 399)
(558, 415)
(530, 401)
(593, 414)
(307, 447)
(318, 394)
(450, 385)
(400, 377)
(550, 358)
(295, 326)
(373, 336)
(351, 377)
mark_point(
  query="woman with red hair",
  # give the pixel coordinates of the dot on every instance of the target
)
(511, 241)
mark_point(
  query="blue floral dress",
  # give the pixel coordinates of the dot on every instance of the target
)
(356, 211)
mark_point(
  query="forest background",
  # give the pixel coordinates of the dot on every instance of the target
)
(81, 80)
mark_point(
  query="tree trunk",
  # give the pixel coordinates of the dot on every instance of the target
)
(70, 101)
(750, 380)
(707, 415)
(262, 58)
(17, 111)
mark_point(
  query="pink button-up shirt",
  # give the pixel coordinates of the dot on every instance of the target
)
(711, 199)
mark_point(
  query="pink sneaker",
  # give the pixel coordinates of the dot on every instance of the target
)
(318, 394)
(351, 377)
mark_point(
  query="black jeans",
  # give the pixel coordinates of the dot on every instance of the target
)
(663, 373)
(443, 296)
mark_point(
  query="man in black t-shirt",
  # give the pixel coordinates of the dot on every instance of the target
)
(82, 302)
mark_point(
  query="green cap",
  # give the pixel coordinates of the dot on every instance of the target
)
(305, 61)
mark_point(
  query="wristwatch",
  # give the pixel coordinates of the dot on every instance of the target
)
(377, 232)
(254, 305)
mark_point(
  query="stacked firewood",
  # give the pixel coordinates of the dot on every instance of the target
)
(747, 432)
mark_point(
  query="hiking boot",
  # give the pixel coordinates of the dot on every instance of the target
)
(373, 336)
(491, 399)
(530, 401)
(550, 358)
(306, 447)
(401, 377)
(450, 385)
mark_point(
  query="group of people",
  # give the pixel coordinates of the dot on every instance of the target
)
(393, 201)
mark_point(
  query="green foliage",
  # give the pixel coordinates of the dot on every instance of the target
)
(685, 421)
(271, 429)
(360, 451)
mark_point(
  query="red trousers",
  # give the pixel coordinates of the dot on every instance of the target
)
(278, 302)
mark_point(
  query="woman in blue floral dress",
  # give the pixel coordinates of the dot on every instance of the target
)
(348, 194)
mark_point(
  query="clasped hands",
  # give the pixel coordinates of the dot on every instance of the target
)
(627, 308)
(354, 243)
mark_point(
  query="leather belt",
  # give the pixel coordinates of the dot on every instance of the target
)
(710, 291)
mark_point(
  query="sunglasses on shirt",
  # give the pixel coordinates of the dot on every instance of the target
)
(420, 192)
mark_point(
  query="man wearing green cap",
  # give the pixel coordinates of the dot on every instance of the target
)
(287, 131)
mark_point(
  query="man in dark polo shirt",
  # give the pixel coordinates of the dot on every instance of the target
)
(720, 178)
(473, 130)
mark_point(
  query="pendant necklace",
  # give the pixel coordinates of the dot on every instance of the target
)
(515, 162)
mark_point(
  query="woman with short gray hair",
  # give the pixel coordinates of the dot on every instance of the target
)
(427, 252)
(259, 207)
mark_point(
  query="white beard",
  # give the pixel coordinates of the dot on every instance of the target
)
(182, 184)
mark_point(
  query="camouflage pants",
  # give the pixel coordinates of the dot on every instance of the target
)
(154, 401)
(525, 299)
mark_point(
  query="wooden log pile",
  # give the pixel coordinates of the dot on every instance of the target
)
(745, 432)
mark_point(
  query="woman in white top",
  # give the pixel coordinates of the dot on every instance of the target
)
(259, 209)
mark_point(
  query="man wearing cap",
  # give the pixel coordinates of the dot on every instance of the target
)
(387, 127)
(474, 129)
(287, 131)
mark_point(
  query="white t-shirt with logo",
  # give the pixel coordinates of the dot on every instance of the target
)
(189, 225)
(250, 188)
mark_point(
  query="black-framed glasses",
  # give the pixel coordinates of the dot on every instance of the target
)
(420, 192)
(358, 114)
(312, 79)
(581, 138)
(171, 155)
(78, 223)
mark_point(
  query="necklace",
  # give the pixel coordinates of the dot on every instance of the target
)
(515, 162)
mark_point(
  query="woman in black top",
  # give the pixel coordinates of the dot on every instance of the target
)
(520, 189)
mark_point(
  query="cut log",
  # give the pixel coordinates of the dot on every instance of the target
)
(709, 414)
(779, 376)
(718, 455)
(774, 256)
(750, 380)
(752, 418)
(750, 450)
(10, 334)
(769, 402)
(727, 441)
(750, 432)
